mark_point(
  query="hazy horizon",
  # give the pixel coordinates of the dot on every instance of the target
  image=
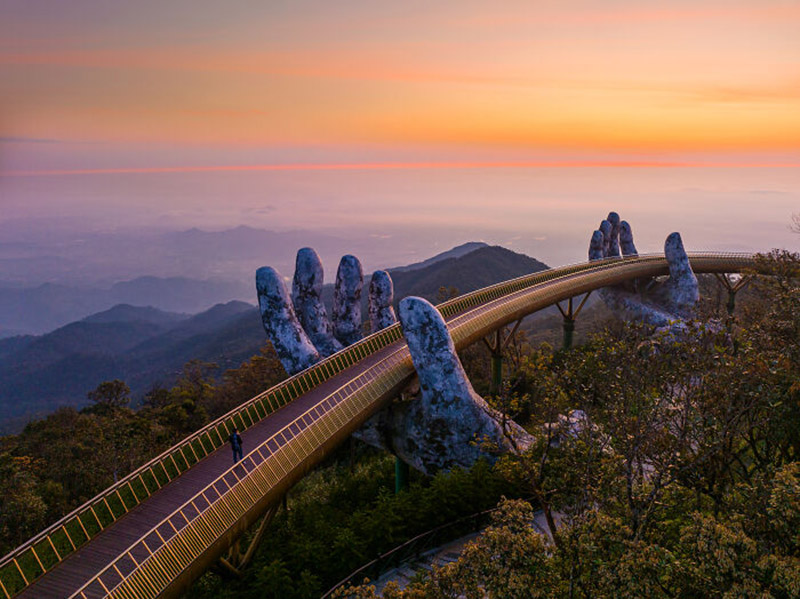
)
(397, 216)
(405, 128)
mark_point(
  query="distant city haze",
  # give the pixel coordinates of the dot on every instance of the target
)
(392, 217)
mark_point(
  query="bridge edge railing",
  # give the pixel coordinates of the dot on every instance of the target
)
(25, 564)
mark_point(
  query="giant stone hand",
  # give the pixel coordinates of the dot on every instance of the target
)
(659, 303)
(300, 329)
(448, 424)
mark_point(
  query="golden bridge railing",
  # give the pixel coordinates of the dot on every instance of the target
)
(48, 548)
(151, 564)
(41, 553)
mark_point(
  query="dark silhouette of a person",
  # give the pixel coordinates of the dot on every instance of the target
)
(236, 445)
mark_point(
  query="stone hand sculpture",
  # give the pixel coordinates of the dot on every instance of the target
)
(659, 303)
(449, 424)
(300, 329)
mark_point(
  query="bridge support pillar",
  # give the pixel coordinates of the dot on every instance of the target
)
(569, 331)
(237, 560)
(732, 286)
(401, 472)
(570, 314)
(496, 352)
(496, 347)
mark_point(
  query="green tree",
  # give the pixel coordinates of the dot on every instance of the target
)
(110, 395)
(22, 509)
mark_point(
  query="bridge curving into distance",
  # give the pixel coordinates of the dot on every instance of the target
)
(155, 531)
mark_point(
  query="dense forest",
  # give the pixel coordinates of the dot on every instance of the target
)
(669, 463)
(676, 475)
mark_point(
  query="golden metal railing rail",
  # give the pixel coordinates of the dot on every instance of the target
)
(488, 308)
(51, 546)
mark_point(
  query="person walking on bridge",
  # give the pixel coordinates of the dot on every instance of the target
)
(236, 445)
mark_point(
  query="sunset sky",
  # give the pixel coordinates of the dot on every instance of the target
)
(120, 90)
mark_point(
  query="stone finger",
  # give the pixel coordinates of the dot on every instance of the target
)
(347, 301)
(294, 348)
(381, 296)
(596, 246)
(605, 229)
(306, 297)
(613, 247)
(683, 287)
(626, 239)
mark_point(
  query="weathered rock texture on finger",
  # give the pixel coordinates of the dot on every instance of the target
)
(294, 348)
(306, 291)
(381, 296)
(347, 301)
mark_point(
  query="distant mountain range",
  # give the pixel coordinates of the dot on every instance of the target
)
(218, 267)
(145, 346)
(41, 309)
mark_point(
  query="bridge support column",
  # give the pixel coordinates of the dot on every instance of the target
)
(401, 472)
(235, 561)
(569, 314)
(496, 351)
(496, 347)
(732, 287)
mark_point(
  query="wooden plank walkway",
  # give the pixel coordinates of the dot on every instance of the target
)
(71, 574)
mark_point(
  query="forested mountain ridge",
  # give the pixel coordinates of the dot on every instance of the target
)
(58, 369)
(146, 347)
(478, 268)
(43, 308)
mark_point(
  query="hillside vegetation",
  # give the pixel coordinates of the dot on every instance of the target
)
(678, 478)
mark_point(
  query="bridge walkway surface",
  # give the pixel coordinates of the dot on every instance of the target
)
(88, 561)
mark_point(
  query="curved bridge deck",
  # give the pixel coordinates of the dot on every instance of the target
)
(189, 505)
(144, 528)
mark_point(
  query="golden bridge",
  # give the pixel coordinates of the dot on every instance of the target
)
(155, 531)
